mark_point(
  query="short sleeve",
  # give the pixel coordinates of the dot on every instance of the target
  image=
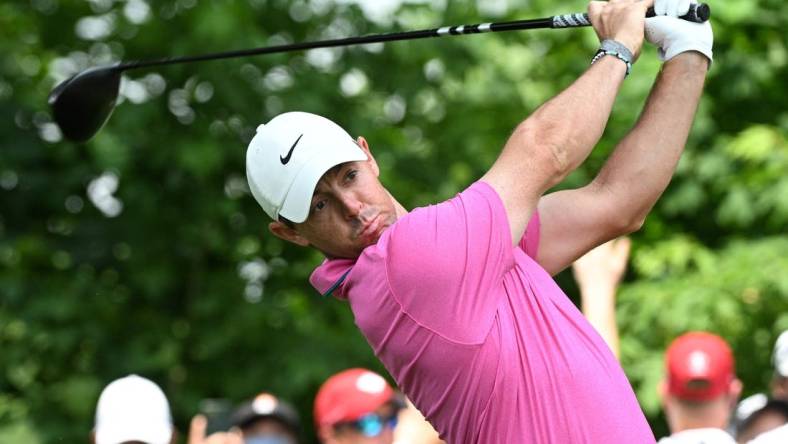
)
(445, 263)
(529, 243)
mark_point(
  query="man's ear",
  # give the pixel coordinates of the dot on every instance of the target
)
(362, 143)
(326, 434)
(734, 391)
(282, 231)
(662, 392)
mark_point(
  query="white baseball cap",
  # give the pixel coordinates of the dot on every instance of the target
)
(133, 409)
(780, 357)
(289, 155)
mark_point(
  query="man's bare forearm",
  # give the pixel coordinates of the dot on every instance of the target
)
(565, 129)
(643, 163)
(556, 139)
(576, 118)
(553, 141)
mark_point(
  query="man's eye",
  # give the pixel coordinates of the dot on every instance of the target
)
(351, 175)
(320, 205)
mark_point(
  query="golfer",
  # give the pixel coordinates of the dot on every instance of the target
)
(456, 298)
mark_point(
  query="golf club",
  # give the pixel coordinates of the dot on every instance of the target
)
(83, 103)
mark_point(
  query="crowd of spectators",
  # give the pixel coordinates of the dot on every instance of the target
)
(700, 392)
(354, 406)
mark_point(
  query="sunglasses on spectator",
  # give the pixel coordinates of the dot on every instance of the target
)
(371, 425)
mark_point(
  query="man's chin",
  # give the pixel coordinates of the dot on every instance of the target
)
(361, 245)
(374, 239)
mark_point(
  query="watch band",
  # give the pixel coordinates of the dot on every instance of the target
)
(615, 49)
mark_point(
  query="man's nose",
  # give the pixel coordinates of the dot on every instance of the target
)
(351, 204)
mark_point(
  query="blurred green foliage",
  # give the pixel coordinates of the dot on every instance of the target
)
(141, 251)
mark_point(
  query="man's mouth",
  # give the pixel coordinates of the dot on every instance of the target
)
(372, 228)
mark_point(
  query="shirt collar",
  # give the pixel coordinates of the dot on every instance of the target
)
(329, 276)
(710, 435)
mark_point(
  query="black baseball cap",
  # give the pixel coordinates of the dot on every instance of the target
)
(266, 405)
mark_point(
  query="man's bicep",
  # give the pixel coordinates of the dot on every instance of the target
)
(573, 222)
(518, 195)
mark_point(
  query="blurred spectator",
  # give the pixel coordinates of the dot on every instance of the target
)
(199, 427)
(701, 389)
(780, 360)
(133, 410)
(598, 274)
(776, 436)
(744, 409)
(771, 416)
(356, 406)
(267, 419)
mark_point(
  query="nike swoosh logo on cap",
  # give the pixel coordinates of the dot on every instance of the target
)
(286, 159)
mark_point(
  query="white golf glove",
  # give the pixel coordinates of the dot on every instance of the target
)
(672, 35)
(672, 8)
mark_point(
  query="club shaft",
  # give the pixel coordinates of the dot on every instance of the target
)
(555, 22)
(350, 41)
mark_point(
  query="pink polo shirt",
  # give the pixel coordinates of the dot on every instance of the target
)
(478, 335)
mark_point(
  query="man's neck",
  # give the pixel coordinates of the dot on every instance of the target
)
(698, 419)
(398, 208)
(686, 415)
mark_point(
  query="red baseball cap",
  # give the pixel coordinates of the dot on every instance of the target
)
(349, 395)
(700, 366)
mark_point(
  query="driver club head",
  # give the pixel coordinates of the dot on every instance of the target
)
(82, 104)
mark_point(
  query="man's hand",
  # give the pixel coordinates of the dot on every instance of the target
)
(604, 266)
(620, 20)
(673, 36)
(197, 434)
(598, 274)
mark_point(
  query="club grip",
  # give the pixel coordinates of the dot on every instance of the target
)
(698, 13)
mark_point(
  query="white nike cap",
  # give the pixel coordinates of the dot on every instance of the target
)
(288, 156)
(133, 409)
